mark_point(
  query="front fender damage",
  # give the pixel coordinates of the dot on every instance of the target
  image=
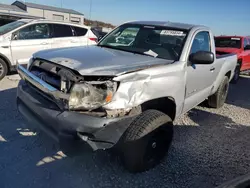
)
(142, 86)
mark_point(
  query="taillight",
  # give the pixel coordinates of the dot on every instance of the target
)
(93, 39)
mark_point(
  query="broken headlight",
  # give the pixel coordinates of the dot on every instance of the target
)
(91, 95)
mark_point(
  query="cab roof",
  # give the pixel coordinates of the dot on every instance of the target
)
(177, 25)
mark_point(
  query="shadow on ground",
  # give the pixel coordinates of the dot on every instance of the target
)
(203, 155)
(239, 94)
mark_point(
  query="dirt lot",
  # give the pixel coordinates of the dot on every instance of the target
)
(210, 146)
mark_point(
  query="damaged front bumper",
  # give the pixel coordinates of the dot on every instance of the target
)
(98, 132)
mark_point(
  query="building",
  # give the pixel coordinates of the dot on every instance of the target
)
(19, 9)
(9, 13)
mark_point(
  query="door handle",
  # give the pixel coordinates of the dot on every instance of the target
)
(5, 46)
(74, 41)
(44, 43)
(212, 69)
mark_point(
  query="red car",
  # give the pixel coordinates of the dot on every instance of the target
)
(235, 44)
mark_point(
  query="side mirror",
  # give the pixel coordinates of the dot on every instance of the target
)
(247, 47)
(202, 57)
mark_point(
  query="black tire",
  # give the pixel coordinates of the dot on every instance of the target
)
(3, 69)
(236, 75)
(146, 141)
(218, 99)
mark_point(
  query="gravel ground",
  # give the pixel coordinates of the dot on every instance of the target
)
(210, 146)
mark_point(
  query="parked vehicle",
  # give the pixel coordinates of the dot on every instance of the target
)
(20, 39)
(100, 34)
(125, 96)
(239, 45)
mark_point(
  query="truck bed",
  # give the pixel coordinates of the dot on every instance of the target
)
(220, 55)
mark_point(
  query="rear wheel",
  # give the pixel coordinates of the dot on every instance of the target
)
(218, 99)
(3, 69)
(146, 141)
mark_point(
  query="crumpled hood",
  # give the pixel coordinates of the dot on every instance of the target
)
(94, 60)
(229, 50)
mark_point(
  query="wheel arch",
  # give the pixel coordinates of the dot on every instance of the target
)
(228, 74)
(166, 105)
(7, 61)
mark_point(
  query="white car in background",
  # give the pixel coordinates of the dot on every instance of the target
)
(20, 39)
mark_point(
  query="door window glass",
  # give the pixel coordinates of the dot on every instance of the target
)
(62, 31)
(201, 42)
(80, 31)
(36, 31)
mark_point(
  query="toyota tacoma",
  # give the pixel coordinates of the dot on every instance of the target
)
(126, 91)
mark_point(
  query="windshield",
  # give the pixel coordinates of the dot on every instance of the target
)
(230, 42)
(160, 42)
(9, 27)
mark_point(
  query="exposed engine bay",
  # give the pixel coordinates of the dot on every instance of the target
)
(86, 94)
(60, 77)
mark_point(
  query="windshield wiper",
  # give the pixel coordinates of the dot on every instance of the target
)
(150, 53)
(115, 48)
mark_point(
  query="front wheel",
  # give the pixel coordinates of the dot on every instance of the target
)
(146, 141)
(218, 99)
(3, 69)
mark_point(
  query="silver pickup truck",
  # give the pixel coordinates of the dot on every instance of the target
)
(126, 91)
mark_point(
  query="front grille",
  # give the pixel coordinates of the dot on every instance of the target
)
(60, 103)
(50, 78)
(57, 76)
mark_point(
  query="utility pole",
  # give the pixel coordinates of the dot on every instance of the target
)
(90, 9)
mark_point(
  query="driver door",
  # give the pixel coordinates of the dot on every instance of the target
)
(29, 40)
(200, 77)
